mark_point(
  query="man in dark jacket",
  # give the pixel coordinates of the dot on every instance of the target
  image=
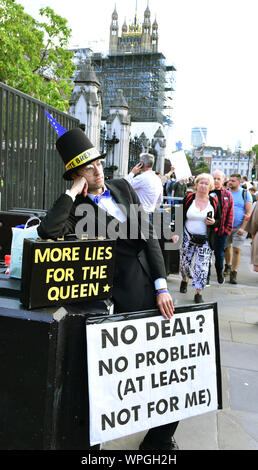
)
(139, 279)
(226, 205)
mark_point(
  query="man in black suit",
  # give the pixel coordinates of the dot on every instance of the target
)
(139, 279)
(139, 262)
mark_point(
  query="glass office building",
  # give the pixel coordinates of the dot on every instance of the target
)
(199, 136)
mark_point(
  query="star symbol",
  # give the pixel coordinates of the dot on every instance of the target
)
(106, 288)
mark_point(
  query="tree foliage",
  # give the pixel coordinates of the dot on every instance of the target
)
(201, 167)
(255, 151)
(33, 54)
(190, 161)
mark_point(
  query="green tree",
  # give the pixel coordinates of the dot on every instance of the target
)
(190, 161)
(33, 54)
(201, 167)
(255, 151)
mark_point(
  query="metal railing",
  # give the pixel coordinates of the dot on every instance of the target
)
(30, 168)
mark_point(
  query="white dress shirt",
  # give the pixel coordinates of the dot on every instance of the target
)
(148, 187)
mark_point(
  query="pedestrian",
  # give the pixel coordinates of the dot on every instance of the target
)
(252, 191)
(166, 179)
(168, 175)
(201, 216)
(170, 186)
(243, 182)
(139, 279)
(242, 209)
(179, 189)
(190, 183)
(252, 228)
(226, 206)
(146, 184)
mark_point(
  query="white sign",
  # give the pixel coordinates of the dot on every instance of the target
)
(146, 372)
(180, 163)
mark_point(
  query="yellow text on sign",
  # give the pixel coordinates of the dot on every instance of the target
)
(73, 291)
(57, 254)
(98, 253)
(98, 272)
(59, 274)
(72, 254)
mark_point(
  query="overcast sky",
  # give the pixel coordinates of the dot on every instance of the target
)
(213, 45)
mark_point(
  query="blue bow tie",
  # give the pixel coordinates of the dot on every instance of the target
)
(105, 194)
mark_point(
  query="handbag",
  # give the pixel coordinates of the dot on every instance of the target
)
(198, 239)
(18, 235)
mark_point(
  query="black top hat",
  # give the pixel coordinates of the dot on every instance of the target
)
(76, 149)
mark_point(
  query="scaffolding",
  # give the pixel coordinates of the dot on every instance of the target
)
(146, 81)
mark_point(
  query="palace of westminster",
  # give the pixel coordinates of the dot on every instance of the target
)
(128, 92)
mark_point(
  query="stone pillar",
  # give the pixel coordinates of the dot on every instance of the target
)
(159, 144)
(85, 102)
(118, 127)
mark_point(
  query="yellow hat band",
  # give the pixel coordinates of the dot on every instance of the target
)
(83, 157)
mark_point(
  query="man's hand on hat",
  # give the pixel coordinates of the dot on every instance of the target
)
(80, 185)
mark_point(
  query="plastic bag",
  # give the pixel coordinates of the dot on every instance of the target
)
(17, 245)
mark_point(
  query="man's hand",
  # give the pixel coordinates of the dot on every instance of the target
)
(165, 304)
(240, 231)
(80, 185)
(137, 168)
(175, 238)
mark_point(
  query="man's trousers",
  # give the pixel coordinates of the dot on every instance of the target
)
(219, 252)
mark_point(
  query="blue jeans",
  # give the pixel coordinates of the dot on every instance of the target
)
(219, 251)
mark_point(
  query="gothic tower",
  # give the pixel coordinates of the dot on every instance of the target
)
(113, 37)
(146, 31)
(154, 36)
(135, 38)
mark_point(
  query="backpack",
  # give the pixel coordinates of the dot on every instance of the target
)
(169, 186)
(244, 193)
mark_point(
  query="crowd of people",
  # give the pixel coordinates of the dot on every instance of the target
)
(216, 212)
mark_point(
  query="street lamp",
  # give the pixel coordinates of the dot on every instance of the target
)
(251, 132)
(250, 159)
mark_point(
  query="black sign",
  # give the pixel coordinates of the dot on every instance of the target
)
(61, 272)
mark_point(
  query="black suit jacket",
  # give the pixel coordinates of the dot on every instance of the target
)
(138, 261)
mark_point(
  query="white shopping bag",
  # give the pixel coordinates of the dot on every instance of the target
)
(17, 245)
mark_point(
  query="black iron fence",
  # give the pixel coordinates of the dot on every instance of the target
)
(135, 148)
(30, 168)
(137, 145)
